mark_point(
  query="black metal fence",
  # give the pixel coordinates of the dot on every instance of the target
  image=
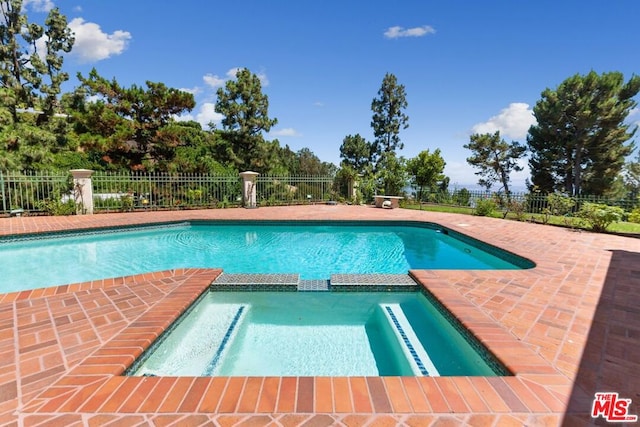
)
(29, 191)
(51, 193)
(130, 191)
(533, 202)
(47, 192)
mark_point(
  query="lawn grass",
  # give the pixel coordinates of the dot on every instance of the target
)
(571, 222)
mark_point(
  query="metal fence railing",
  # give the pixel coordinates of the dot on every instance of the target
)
(51, 193)
(530, 202)
(277, 190)
(33, 192)
(129, 191)
(29, 191)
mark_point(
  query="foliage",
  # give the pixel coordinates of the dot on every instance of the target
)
(619, 227)
(102, 125)
(245, 110)
(495, 158)
(558, 205)
(599, 216)
(26, 72)
(634, 216)
(426, 170)
(392, 174)
(131, 124)
(307, 163)
(198, 152)
(461, 197)
(355, 153)
(579, 142)
(343, 178)
(631, 177)
(388, 117)
(31, 131)
(57, 205)
(485, 207)
(517, 208)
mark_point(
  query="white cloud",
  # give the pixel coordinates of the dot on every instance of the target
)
(285, 132)
(192, 90)
(264, 81)
(215, 81)
(208, 114)
(233, 72)
(205, 115)
(512, 122)
(397, 31)
(634, 115)
(92, 44)
(38, 5)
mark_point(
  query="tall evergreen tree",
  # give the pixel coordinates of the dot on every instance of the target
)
(355, 152)
(25, 71)
(495, 158)
(30, 80)
(426, 171)
(245, 109)
(128, 126)
(392, 173)
(580, 141)
(388, 117)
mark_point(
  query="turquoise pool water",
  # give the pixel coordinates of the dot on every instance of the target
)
(314, 251)
(313, 334)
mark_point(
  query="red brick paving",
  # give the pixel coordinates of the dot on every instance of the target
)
(566, 328)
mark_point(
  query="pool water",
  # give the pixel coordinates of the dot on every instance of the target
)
(313, 251)
(312, 334)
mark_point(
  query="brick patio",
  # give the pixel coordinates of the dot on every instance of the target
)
(567, 328)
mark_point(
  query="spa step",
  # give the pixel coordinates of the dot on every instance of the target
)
(373, 282)
(412, 348)
(253, 282)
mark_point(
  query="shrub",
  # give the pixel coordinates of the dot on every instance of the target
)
(518, 208)
(485, 207)
(598, 216)
(57, 206)
(461, 197)
(634, 216)
(557, 204)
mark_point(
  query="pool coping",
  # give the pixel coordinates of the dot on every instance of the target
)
(540, 390)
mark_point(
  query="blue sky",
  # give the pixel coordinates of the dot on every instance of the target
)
(467, 66)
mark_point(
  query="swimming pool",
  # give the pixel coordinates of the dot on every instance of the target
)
(314, 250)
(314, 334)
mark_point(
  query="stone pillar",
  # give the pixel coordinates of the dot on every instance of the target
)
(249, 189)
(83, 191)
(353, 189)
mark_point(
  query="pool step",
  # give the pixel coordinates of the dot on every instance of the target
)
(416, 354)
(373, 283)
(337, 282)
(256, 282)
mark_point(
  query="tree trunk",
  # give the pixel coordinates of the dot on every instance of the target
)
(577, 171)
(505, 183)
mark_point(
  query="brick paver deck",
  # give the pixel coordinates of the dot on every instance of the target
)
(567, 328)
